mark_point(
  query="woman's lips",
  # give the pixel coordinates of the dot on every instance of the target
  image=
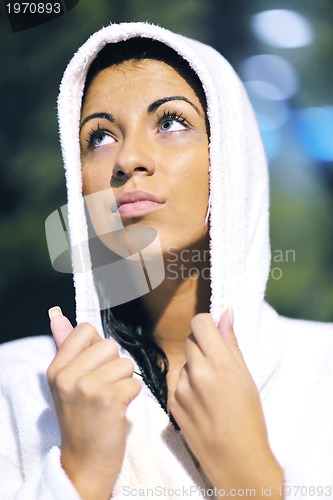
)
(138, 203)
(138, 208)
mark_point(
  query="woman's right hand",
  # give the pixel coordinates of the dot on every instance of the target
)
(91, 388)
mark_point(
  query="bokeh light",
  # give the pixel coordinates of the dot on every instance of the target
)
(272, 77)
(314, 127)
(282, 28)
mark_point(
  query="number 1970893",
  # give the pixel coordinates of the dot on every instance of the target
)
(33, 8)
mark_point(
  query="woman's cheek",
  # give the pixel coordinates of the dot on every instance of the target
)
(95, 178)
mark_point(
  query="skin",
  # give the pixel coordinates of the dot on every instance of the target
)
(211, 392)
(137, 153)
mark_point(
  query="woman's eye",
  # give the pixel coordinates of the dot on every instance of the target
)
(172, 122)
(98, 139)
(171, 125)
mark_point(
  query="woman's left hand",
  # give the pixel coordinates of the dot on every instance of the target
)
(217, 406)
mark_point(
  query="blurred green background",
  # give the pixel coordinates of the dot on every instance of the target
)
(287, 66)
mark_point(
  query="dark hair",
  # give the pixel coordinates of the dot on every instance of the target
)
(130, 323)
(139, 48)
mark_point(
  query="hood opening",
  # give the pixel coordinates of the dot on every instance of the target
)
(239, 190)
(128, 323)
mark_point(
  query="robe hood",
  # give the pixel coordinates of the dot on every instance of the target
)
(239, 194)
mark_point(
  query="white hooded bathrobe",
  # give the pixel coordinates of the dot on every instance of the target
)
(291, 361)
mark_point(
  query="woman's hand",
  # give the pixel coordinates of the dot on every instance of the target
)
(91, 388)
(217, 406)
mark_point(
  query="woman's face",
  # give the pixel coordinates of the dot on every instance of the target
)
(143, 133)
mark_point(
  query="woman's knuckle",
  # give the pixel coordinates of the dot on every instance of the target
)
(135, 387)
(198, 376)
(63, 382)
(50, 374)
(179, 398)
(83, 387)
(85, 329)
(112, 348)
(128, 365)
(86, 326)
(199, 320)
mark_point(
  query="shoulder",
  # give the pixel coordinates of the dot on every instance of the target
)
(306, 327)
(307, 353)
(308, 337)
(299, 408)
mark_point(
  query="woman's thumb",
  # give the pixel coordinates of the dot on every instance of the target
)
(61, 327)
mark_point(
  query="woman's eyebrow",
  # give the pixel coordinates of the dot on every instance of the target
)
(107, 116)
(156, 104)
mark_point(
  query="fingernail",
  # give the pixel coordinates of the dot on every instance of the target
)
(231, 315)
(54, 312)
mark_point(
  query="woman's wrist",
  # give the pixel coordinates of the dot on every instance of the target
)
(90, 481)
(260, 481)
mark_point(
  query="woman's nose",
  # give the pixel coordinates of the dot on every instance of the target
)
(134, 158)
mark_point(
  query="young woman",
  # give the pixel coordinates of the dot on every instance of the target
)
(152, 393)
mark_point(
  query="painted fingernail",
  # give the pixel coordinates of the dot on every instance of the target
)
(54, 312)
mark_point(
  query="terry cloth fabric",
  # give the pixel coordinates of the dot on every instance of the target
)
(290, 360)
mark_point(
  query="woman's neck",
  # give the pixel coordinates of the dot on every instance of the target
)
(172, 305)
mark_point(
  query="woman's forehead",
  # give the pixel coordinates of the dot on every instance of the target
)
(149, 70)
(147, 78)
